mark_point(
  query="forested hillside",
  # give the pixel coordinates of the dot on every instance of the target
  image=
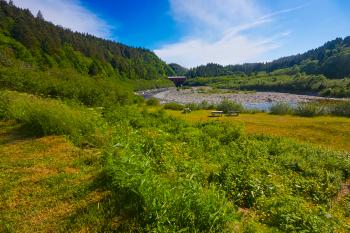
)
(179, 70)
(332, 60)
(37, 56)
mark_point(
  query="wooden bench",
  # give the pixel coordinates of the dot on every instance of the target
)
(216, 113)
(233, 113)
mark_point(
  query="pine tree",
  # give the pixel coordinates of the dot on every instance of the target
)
(11, 3)
(40, 15)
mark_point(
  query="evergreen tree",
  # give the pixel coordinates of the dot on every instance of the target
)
(40, 15)
(11, 3)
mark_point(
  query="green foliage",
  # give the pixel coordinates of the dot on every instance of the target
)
(67, 84)
(279, 82)
(165, 175)
(292, 214)
(281, 108)
(165, 205)
(226, 106)
(182, 177)
(47, 117)
(174, 106)
(152, 102)
(202, 105)
(331, 60)
(342, 109)
(179, 70)
(32, 44)
(169, 176)
(309, 109)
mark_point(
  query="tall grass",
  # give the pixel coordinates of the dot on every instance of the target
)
(170, 176)
(152, 101)
(68, 84)
(281, 108)
(310, 109)
(226, 106)
(342, 109)
(45, 116)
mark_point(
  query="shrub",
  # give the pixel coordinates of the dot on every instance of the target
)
(152, 102)
(281, 108)
(174, 106)
(227, 106)
(342, 109)
(309, 109)
(205, 105)
(3, 105)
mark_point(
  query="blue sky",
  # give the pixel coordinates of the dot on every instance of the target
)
(194, 32)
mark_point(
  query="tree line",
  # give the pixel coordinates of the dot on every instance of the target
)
(331, 60)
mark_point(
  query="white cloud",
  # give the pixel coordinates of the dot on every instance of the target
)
(228, 50)
(213, 14)
(215, 32)
(69, 14)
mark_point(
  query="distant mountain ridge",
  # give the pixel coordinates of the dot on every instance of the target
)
(179, 70)
(331, 60)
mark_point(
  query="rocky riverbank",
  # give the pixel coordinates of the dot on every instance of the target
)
(196, 95)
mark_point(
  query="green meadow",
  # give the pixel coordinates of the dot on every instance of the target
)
(134, 168)
(330, 132)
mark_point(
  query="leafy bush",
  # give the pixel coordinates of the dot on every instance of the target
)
(174, 106)
(281, 108)
(227, 106)
(152, 101)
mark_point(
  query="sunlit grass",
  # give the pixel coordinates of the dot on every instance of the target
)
(44, 181)
(327, 131)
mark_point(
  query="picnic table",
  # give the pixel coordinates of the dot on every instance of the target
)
(217, 113)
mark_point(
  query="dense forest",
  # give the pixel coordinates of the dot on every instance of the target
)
(39, 44)
(331, 60)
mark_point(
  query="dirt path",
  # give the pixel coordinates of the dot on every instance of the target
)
(343, 192)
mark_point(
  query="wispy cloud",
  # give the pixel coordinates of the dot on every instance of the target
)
(69, 14)
(215, 32)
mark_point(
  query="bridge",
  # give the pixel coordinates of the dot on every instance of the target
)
(178, 80)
